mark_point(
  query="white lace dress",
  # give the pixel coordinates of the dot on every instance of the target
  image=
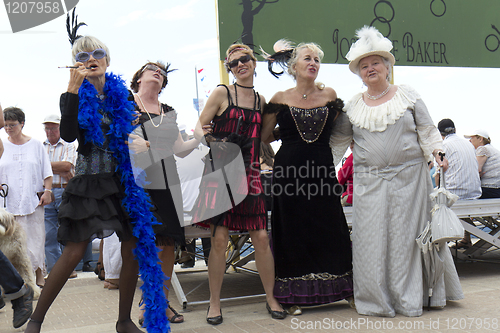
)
(393, 143)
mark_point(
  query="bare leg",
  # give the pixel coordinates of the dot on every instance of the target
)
(217, 267)
(40, 281)
(128, 283)
(167, 258)
(70, 257)
(264, 261)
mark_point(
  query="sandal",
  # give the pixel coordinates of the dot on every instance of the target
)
(176, 316)
(461, 245)
(111, 284)
(99, 271)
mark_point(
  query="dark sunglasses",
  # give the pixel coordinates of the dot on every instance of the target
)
(244, 59)
(85, 56)
(154, 68)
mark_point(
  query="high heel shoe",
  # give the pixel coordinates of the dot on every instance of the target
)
(214, 320)
(177, 318)
(276, 314)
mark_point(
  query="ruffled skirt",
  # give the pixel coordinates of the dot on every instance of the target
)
(91, 208)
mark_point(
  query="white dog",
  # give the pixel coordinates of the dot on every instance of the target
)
(13, 245)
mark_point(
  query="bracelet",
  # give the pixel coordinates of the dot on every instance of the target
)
(46, 190)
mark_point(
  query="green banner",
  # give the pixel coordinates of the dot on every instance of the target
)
(457, 33)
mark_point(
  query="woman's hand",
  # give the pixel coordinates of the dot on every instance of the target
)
(442, 163)
(207, 129)
(46, 198)
(137, 144)
(76, 77)
(137, 116)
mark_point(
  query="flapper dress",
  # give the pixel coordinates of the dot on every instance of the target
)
(91, 204)
(310, 236)
(162, 179)
(250, 213)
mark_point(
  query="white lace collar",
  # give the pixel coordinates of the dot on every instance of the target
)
(377, 118)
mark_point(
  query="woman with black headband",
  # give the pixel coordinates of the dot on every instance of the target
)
(235, 111)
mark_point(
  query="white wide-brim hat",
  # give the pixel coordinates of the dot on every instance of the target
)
(479, 132)
(370, 42)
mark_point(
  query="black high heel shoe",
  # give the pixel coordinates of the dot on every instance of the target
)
(276, 314)
(214, 320)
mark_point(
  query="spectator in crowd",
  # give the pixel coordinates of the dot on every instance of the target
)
(488, 159)
(19, 293)
(461, 177)
(25, 168)
(432, 172)
(62, 157)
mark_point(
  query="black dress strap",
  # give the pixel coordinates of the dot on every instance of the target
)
(229, 99)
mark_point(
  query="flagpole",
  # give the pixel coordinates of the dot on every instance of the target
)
(197, 99)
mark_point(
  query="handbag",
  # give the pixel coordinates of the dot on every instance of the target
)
(446, 225)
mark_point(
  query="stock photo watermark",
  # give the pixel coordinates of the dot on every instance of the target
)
(24, 15)
(459, 324)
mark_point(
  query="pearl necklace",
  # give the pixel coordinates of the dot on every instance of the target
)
(382, 94)
(151, 119)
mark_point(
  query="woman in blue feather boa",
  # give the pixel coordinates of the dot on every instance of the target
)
(103, 197)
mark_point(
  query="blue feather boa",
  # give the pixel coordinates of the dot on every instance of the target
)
(136, 201)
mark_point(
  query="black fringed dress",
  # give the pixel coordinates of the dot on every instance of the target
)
(311, 244)
(249, 214)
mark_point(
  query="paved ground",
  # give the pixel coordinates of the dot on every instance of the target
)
(85, 307)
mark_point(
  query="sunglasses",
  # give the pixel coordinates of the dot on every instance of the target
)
(244, 59)
(154, 68)
(85, 56)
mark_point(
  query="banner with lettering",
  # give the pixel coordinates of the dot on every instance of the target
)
(458, 33)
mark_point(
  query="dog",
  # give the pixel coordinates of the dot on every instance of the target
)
(13, 245)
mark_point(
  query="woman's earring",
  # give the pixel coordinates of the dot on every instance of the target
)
(255, 73)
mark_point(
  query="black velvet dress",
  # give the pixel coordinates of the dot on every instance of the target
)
(311, 244)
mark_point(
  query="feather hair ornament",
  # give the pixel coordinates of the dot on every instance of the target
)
(72, 27)
(283, 49)
(370, 42)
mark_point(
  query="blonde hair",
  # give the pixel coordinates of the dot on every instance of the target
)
(238, 47)
(87, 44)
(295, 55)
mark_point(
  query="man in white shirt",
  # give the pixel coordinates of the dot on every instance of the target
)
(461, 177)
(62, 157)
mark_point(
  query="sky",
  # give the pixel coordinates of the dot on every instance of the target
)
(184, 33)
